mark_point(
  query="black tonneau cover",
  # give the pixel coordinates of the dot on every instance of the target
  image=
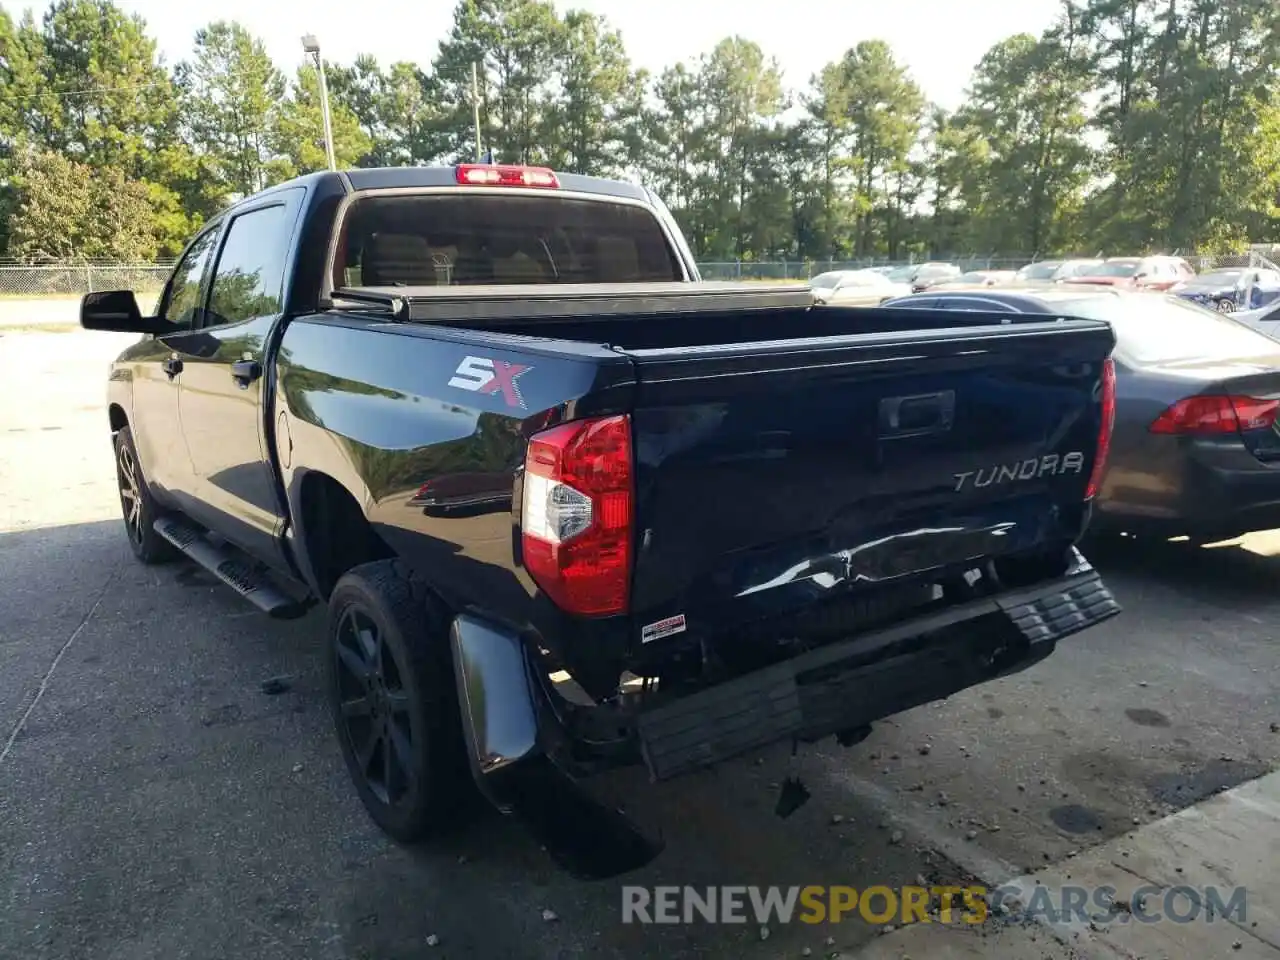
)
(445, 304)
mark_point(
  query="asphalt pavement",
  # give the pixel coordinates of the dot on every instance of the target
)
(155, 802)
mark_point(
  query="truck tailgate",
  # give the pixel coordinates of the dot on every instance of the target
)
(772, 474)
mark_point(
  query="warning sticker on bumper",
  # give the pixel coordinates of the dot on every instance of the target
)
(662, 628)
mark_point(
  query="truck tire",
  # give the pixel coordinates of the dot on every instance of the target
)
(137, 504)
(394, 703)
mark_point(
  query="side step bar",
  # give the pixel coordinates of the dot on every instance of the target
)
(231, 568)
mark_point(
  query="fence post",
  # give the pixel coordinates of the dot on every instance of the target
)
(88, 275)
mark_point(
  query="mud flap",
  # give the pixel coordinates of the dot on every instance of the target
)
(510, 730)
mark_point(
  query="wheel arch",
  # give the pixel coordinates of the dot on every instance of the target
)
(117, 418)
(332, 531)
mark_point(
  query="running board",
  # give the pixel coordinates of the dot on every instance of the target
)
(229, 566)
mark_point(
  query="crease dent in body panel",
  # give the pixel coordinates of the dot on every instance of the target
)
(835, 568)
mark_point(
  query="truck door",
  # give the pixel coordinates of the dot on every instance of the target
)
(156, 432)
(220, 401)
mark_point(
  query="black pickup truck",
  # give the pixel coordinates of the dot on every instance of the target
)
(571, 508)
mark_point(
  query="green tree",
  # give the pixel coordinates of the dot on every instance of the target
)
(1026, 105)
(20, 84)
(297, 135)
(106, 100)
(361, 87)
(742, 90)
(587, 118)
(21, 81)
(396, 108)
(1186, 87)
(66, 210)
(884, 109)
(823, 140)
(956, 158)
(231, 94)
(514, 45)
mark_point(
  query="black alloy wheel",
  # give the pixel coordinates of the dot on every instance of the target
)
(394, 701)
(138, 505)
(374, 706)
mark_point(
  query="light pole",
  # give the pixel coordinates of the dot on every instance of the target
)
(312, 46)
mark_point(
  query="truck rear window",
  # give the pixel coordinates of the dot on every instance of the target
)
(452, 239)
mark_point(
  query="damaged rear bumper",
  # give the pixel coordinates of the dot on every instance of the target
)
(517, 735)
(851, 684)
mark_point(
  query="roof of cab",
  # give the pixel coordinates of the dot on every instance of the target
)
(402, 178)
(392, 178)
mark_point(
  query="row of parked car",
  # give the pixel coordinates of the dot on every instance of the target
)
(1196, 446)
(1225, 290)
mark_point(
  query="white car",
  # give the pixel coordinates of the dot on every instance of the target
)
(856, 288)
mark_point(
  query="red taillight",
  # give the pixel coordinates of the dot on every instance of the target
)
(503, 175)
(1105, 430)
(576, 517)
(1217, 414)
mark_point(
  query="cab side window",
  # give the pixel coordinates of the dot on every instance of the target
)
(181, 304)
(248, 280)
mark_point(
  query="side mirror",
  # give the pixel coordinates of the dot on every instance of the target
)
(1140, 276)
(116, 311)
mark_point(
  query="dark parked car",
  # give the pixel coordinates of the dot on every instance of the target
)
(1195, 450)
(1245, 288)
(542, 480)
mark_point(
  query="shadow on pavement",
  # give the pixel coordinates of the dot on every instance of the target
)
(158, 802)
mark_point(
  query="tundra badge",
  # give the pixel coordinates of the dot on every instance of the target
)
(1050, 465)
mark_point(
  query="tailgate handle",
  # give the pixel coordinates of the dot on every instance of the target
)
(917, 416)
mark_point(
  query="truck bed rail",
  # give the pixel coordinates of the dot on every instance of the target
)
(448, 304)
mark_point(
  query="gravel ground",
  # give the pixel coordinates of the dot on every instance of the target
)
(154, 802)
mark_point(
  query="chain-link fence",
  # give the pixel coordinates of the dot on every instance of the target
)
(74, 279)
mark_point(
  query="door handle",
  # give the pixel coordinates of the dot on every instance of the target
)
(172, 366)
(244, 372)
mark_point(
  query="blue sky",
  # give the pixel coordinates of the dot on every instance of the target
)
(940, 41)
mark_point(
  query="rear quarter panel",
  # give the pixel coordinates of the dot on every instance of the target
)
(371, 406)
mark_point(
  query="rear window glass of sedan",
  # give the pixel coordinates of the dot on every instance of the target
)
(1039, 271)
(1115, 268)
(1224, 277)
(1152, 330)
(825, 280)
